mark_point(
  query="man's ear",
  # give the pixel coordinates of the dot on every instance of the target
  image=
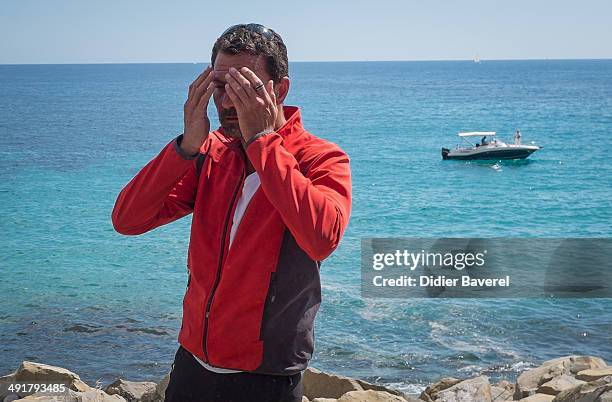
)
(282, 89)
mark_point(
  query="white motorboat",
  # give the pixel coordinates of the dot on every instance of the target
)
(488, 148)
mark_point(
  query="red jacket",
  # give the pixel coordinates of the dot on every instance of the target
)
(251, 307)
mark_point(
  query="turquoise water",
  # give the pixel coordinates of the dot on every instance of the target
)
(79, 295)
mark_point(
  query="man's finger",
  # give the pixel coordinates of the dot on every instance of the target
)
(203, 103)
(198, 81)
(255, 83)
(247, 83)
(202, 88)
(238, 88)
(234, 97)
(270, 92)
(202, 76)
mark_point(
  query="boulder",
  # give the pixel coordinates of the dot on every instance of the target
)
(595, 391)
(91, 395)
(558, 384)
(130, 390)
(594, 374)
(376, 387)
(577, 363)
(44, 373)
(304, 399)
(475, 389)
(318, 384)
(538, 398)
(499, 394)
(431, 392)
(502, 391)
(599, 390)
(409, 398)
(70, 396)
(157, 394)
(528, 382)
(370, 396)
(505, 384)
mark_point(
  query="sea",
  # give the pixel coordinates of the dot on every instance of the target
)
(76, 294)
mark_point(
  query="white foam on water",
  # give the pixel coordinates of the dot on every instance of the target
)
(472, 369)
(521, 366)
(477, 343)
(409, 389)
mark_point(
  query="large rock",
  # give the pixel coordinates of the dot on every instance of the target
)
(370, 396)
(376, 387)
(596, 391)
(538, 398)
(577, 363)
(44, 373)
(157, 394)
(130, 390)
(431, 392)
(499, 394)
(502, 391)
(594, 374)
(91, 395)
(68, 397)
(318, 384)
(505, 384)
(409, 398)
(475, 389)
(528, 382)
(558, 384)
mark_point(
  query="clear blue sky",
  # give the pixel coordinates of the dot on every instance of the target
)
(113, 31)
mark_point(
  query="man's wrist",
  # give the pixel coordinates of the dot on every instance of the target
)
(259, 134)
(184, 151)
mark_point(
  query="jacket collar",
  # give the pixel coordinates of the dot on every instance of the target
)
(293, 124)
(292, 127)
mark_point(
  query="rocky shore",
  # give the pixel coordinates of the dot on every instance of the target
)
(566, 379)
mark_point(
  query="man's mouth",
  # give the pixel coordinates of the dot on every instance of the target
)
(229, 115)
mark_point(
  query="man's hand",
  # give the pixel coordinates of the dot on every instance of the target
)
(257, 109)
(197, 124)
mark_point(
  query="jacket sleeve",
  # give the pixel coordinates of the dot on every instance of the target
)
(163, 191)
(315, 207)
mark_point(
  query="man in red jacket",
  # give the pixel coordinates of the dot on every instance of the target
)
(269, 200)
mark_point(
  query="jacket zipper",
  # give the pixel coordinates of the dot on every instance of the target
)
(219, 266)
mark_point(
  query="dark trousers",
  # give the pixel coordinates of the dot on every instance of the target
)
(191, 382)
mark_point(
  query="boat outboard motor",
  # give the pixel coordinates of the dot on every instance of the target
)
(445, 152)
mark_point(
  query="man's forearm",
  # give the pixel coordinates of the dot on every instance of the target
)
(145, 202)
(186, 150)
(315, 211)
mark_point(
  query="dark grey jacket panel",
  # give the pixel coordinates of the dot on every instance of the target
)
(293, 299)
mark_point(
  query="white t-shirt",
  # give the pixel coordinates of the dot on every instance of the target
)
(250, 186)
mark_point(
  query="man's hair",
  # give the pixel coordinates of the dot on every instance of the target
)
(242, 39)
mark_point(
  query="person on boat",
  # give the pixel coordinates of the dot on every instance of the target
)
(484, 140)
(517, 137)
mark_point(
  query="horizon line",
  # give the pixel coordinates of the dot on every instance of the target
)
(315, 61)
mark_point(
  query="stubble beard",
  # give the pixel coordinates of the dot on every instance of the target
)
(232, 130)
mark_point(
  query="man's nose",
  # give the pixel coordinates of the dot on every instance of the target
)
(226, 102)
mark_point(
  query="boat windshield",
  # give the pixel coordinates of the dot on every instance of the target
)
(484, 141)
